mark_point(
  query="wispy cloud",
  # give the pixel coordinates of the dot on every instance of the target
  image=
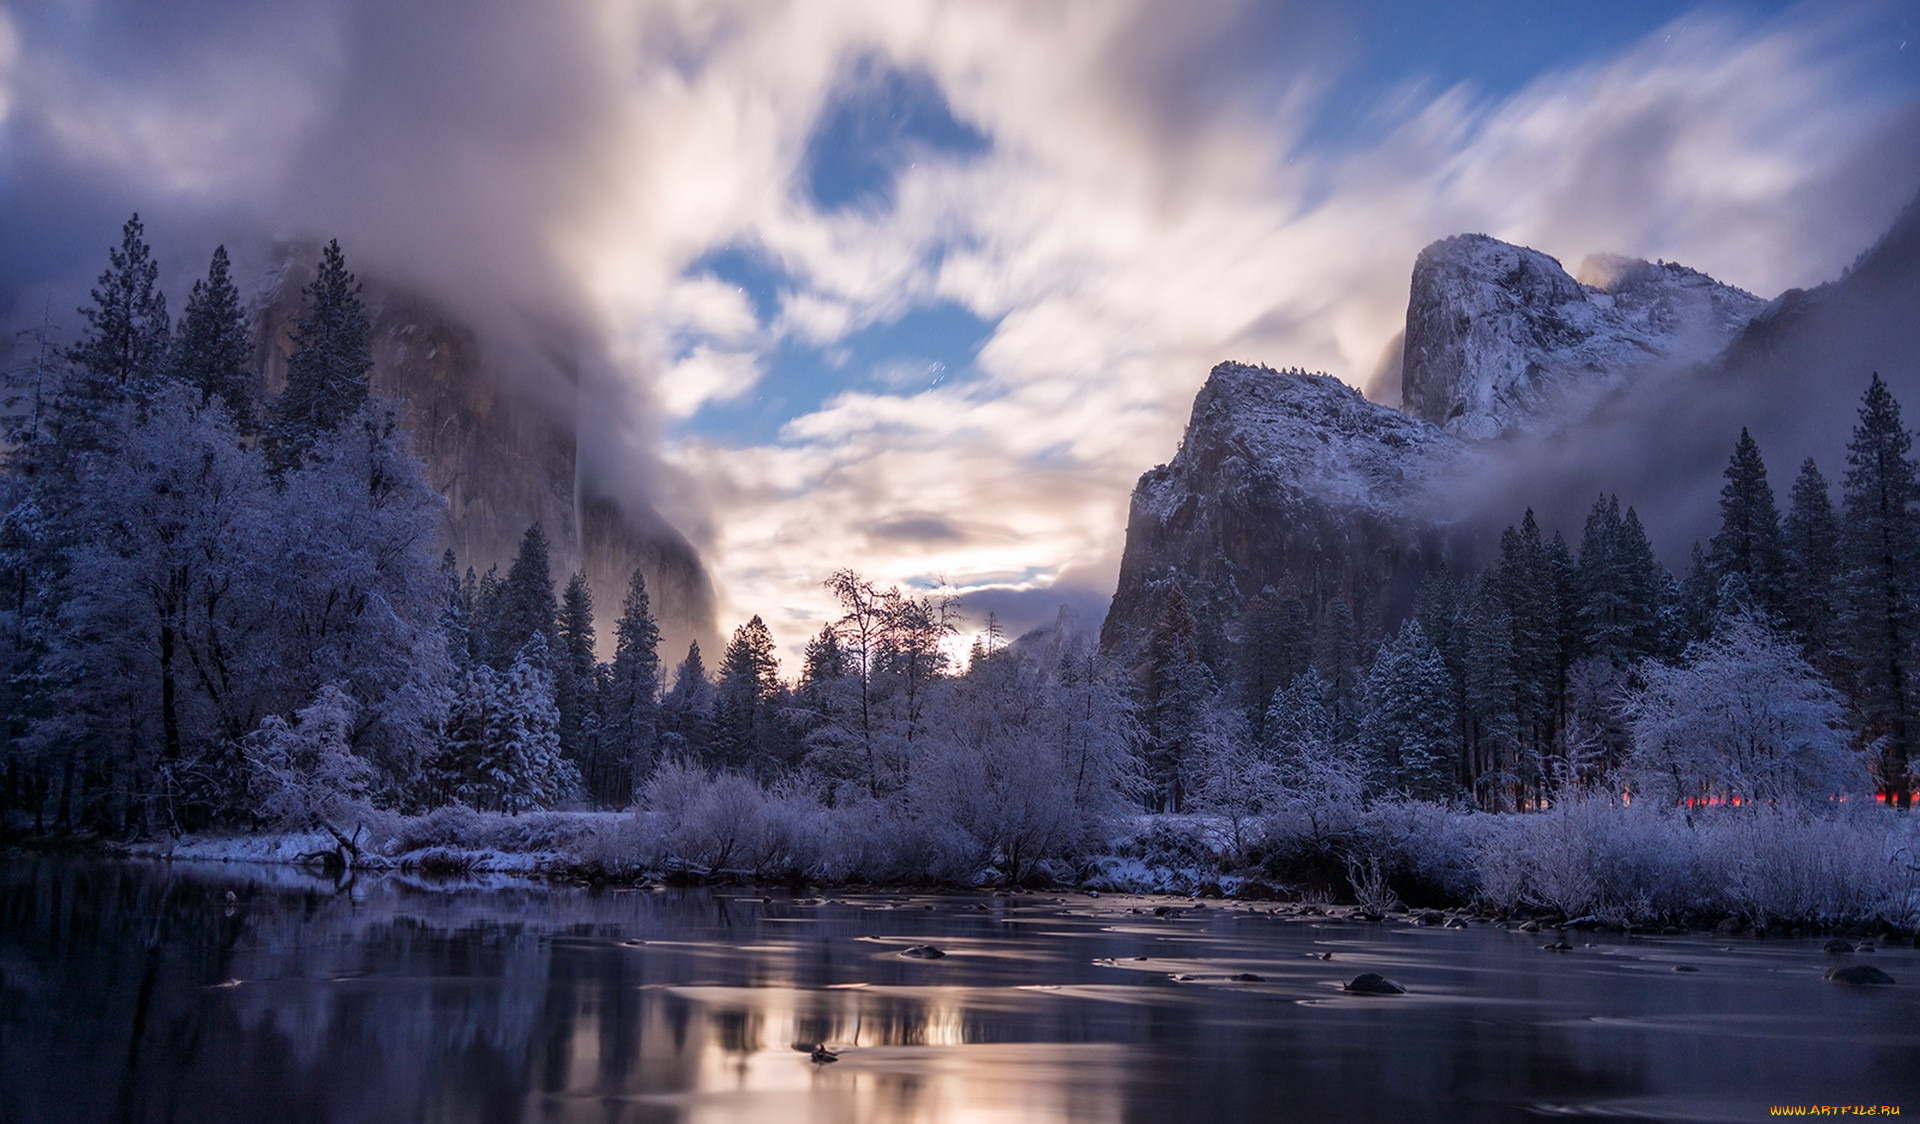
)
(1122, 193)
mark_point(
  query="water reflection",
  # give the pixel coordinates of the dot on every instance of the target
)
(137, 991)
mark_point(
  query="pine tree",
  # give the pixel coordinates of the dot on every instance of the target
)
(1489, 696)
(213, 352)
(1533, 584)
(686, 713)
(125, 343)
(823, 661)
(523, 735)
(1649, 591)
(1336, 656)
(1407, 733)
(121, 353)
(632, 719)
(462, 768)
(743, 700)
(327, 375)
(524, 603)
(1297, 719)
(1276, 645)
(1178, 687)
(1748, 544)
(1618, 584)
(1880, 538)
(1811, 547)
(1699, 602)
(456, 619)
(574, 685)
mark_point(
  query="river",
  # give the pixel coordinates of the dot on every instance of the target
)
(138, 990)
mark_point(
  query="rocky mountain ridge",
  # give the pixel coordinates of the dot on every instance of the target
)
(1285, 479)
(1500, 338)
(1296, 483)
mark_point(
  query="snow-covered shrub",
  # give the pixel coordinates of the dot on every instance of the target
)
(725, 821)
(303, 772)
(1767, 864)
(1745, 718)
(1426, 848)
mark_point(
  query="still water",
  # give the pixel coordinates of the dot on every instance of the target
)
(133, 990)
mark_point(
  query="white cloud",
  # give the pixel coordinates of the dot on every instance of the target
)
(1121, 266)
(1146, 209)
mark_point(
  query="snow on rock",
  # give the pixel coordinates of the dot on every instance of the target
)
(1284, 479)
(1499, 335)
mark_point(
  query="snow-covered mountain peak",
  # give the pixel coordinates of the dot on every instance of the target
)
(1500, 337)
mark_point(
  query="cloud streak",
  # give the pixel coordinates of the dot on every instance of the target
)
(1147, 196)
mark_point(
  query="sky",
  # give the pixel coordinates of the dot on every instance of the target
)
(920, 289)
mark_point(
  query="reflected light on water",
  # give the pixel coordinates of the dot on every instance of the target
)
(133, 991)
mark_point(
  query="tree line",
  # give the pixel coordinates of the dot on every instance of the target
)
(229, 608)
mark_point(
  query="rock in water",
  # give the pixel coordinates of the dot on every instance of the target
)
(923, 952)
(1247, 977)
(1859, 975)
(1838, 947)
(1373, 983)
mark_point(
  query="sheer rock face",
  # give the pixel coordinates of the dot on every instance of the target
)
(1500, 338)
(1289, 480)
(503, 455)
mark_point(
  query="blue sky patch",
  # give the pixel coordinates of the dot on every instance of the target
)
(928, 346)
(1495, 47)
(749, 269)
(873, 127)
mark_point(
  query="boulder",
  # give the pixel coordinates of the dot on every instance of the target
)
(1373, 983)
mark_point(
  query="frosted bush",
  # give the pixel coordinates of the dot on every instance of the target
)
(306, 772)
(1770, 864)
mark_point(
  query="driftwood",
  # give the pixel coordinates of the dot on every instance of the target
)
(344, 856)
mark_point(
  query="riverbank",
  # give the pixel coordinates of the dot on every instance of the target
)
(1592, 864)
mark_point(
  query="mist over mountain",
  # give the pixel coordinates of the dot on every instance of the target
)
(498, 428)
(1521, 388)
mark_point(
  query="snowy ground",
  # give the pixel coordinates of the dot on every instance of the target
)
(1758, 867)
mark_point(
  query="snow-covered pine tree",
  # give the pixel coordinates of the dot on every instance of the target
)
(743, 704)
(1811, 540)
(1748, 542)
(1407, 732)
(1297, 719)
(574, 685)
(456, 619)
(523, 733)
(686, 712)
(213, 352)
(462, 767)
(327, 374)
(630, 707)
(1880, 540)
